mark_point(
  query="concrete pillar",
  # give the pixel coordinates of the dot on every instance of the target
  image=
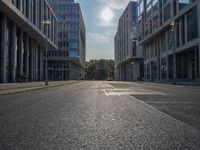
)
(119, 71)
(158, 68)
(20, 55)
(20, 4)
(41, 63)
(196, 62)
(13, 54)
(159, 51)
(3, 48)
(28, 10)
(31, 61)
(42, 15)
(185, 23)
(180, 32)
(36, 63)
(199, 61)
(167, 63)
(189, 63)
(36, 13)
(122, 72)
(26, 57)
(198, 17)
(53, 30)
(24, 7)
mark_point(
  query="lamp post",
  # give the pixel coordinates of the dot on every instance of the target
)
(46, 23)
(174, 53)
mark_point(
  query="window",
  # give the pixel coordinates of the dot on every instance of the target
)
(163, 68)
(183, 3)
(73, 54)
(147, 2)
(167, 12)
(73, 44)
(155, 5)
(146, 29)
(155, 22)
(192, 24)
(141, 8)
(163, 41)
(149, 11)
(73, 35)
(73, 26)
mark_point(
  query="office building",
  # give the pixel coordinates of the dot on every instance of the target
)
(170, 38)
(68, 61)
(22, 39)
(128, 55)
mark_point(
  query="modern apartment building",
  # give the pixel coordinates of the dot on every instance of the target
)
(68, 61)
(170, 38)
(22, 39)
(128, 55)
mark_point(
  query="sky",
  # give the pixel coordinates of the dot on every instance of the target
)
(101, 20)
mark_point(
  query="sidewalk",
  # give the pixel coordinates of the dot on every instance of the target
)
(169, 83)
(9, 88)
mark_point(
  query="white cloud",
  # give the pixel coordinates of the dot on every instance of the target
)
(99, 45)
(97, 38)
(115, 4)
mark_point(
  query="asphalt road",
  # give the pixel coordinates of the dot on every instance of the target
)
(102, 115)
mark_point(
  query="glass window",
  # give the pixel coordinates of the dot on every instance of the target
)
(73, 44)
(73, 35)
(74, 26)
(155, 5)
(183, 3)
(167, 12)
(147, 2)
(73, 54)
(146, 30)
(155, 22)
(192, 24)
(141, 7)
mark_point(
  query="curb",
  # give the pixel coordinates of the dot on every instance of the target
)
(32, 88)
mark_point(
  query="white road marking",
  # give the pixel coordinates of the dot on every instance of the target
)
(105, 92)
(119, 92)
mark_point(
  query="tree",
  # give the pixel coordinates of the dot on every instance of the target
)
(100, 69)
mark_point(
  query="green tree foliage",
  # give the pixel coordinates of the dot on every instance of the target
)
(100, 69)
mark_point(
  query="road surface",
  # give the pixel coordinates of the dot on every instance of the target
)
(95, 115)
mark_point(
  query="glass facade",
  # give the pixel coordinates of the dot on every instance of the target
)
(167, 12)
(183, 3)
(192, 24)
(73, 54)
(141, 7)
(36, 12)
(73, 44)
(185, 15)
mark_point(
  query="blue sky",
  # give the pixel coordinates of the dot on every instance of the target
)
(100, 29)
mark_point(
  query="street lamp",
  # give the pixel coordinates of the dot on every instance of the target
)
(46, 23)
(174, 53)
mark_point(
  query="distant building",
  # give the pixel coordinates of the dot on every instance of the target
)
(22, 39)
(68, 61)
(128, 55)
(157, 19)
